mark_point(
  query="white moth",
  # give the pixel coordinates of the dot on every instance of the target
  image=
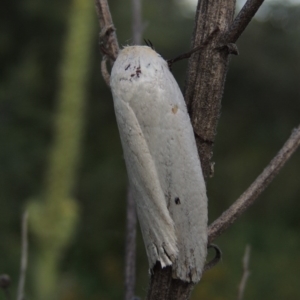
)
(162, 161)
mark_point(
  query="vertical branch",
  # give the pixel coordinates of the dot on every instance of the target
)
(24, 256)
(206, 76)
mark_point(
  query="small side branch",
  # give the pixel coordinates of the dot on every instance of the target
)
(215, 260)
(242, 20)
(107, 27)
(246, 273)
(257, 187)
(24, 256)
(108, 40)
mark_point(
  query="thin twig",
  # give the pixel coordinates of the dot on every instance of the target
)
(256, 188)
(24, 257)
(130, 247)
(104, 71)
(198, 48)
(215, 260)
(246, 273)
(242, 20)
(137, 26)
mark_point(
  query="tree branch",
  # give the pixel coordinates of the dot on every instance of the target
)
(206, 75)
(256, 188)
(108, 40)
(107, 27)
(24, 256)
(242, 20)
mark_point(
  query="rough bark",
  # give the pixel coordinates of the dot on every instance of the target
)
(206, 75)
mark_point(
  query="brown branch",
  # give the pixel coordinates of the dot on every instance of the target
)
(206, 75)
(163, 286)
(242, 20)
(107, 27)
(256, 188)
(108, 40)
(24, 257)
(130, 247)
(246, 273)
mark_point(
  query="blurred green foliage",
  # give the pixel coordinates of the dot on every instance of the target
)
(260, 107)
(53, 215)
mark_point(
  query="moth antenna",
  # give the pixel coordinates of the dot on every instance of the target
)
(149, 43)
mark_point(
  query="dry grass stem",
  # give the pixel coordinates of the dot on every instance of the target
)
(246, 273)
(24, 256)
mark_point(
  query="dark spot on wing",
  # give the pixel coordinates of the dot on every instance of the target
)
(127, 67)
(138, 71)
(177, 201)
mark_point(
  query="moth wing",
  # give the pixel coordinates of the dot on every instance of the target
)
(183, 180)
(156, 224)
(164, 120)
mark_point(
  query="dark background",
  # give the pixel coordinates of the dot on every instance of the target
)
(261, 106)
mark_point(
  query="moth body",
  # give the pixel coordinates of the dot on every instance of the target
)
(162, 161)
